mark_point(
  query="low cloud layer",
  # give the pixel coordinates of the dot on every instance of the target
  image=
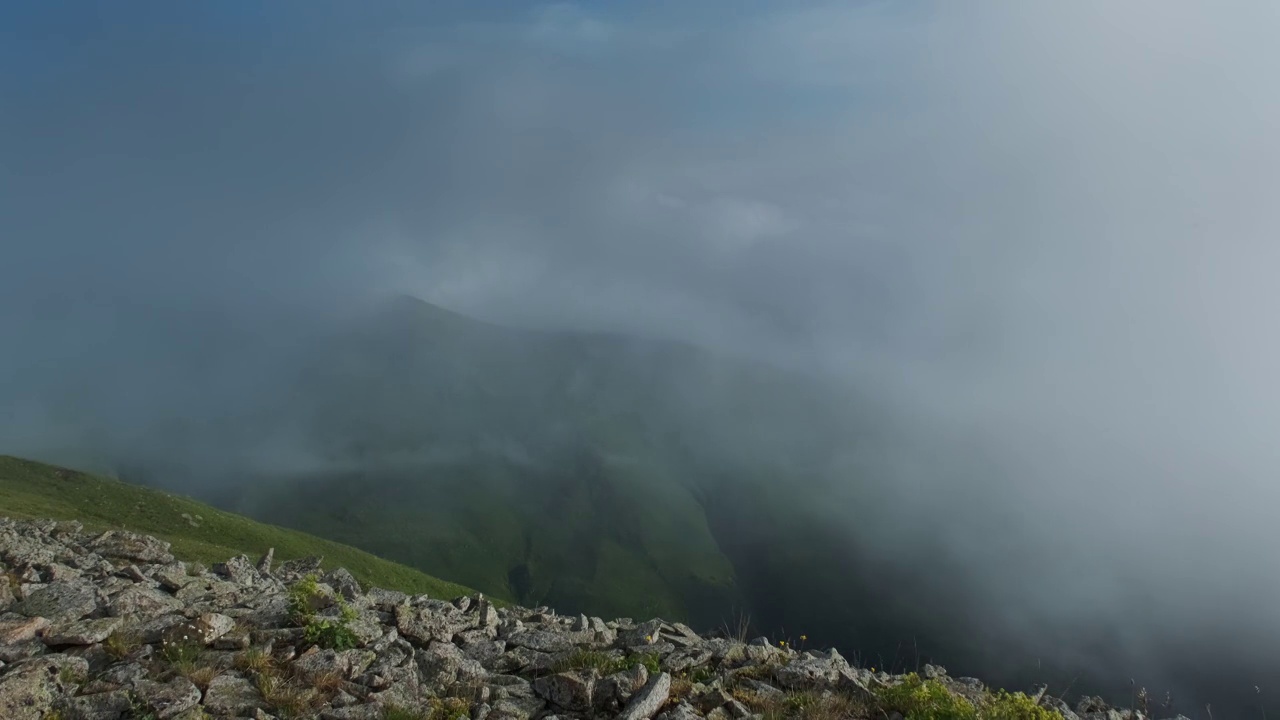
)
(1046, 231)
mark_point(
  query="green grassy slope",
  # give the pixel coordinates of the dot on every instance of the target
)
(34, 490)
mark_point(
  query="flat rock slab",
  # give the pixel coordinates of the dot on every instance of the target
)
(59, 602)
(140, 601)
(168, 700)
(132, 546)
(13, 632)
(82, 632)
(232, 695)
(110, 705)
(651, 697)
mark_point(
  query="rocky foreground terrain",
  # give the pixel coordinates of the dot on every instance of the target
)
(99, 626)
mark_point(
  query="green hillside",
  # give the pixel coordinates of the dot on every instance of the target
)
(34, 490)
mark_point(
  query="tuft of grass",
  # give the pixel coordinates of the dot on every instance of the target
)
(253, 660)
(651, 662)
(200, 675)
(328, 684)
(289, 699)
(602, 662)
(701, 674)
(121, 644)
(739, 630)
(450, 708)
(681, 689)
(71, 676)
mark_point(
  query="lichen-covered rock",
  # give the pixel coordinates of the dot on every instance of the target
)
(13, 632)
(649, 699)
(343, 582)
(232, 695)
(81, 632)
(614, 691)
(545, 640)
(238, 570)
(110, 705)
(171, 699)
(140, 601)
(211, 626)
(386, 600)
(294, 570)
(29, 690)
(59, 602)
(567, 690)
(131, 546)
(173, 577)
(427, 624)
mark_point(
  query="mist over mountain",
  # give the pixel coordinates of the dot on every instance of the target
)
(933, 323)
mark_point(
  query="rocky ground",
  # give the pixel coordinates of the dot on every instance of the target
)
(99, 626)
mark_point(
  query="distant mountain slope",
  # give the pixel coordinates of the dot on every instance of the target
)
(570, 469)
(615, 475)
(32, 490)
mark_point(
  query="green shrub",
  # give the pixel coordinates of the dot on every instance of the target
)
(327, 632)
(1014, 706)
(919, 699)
